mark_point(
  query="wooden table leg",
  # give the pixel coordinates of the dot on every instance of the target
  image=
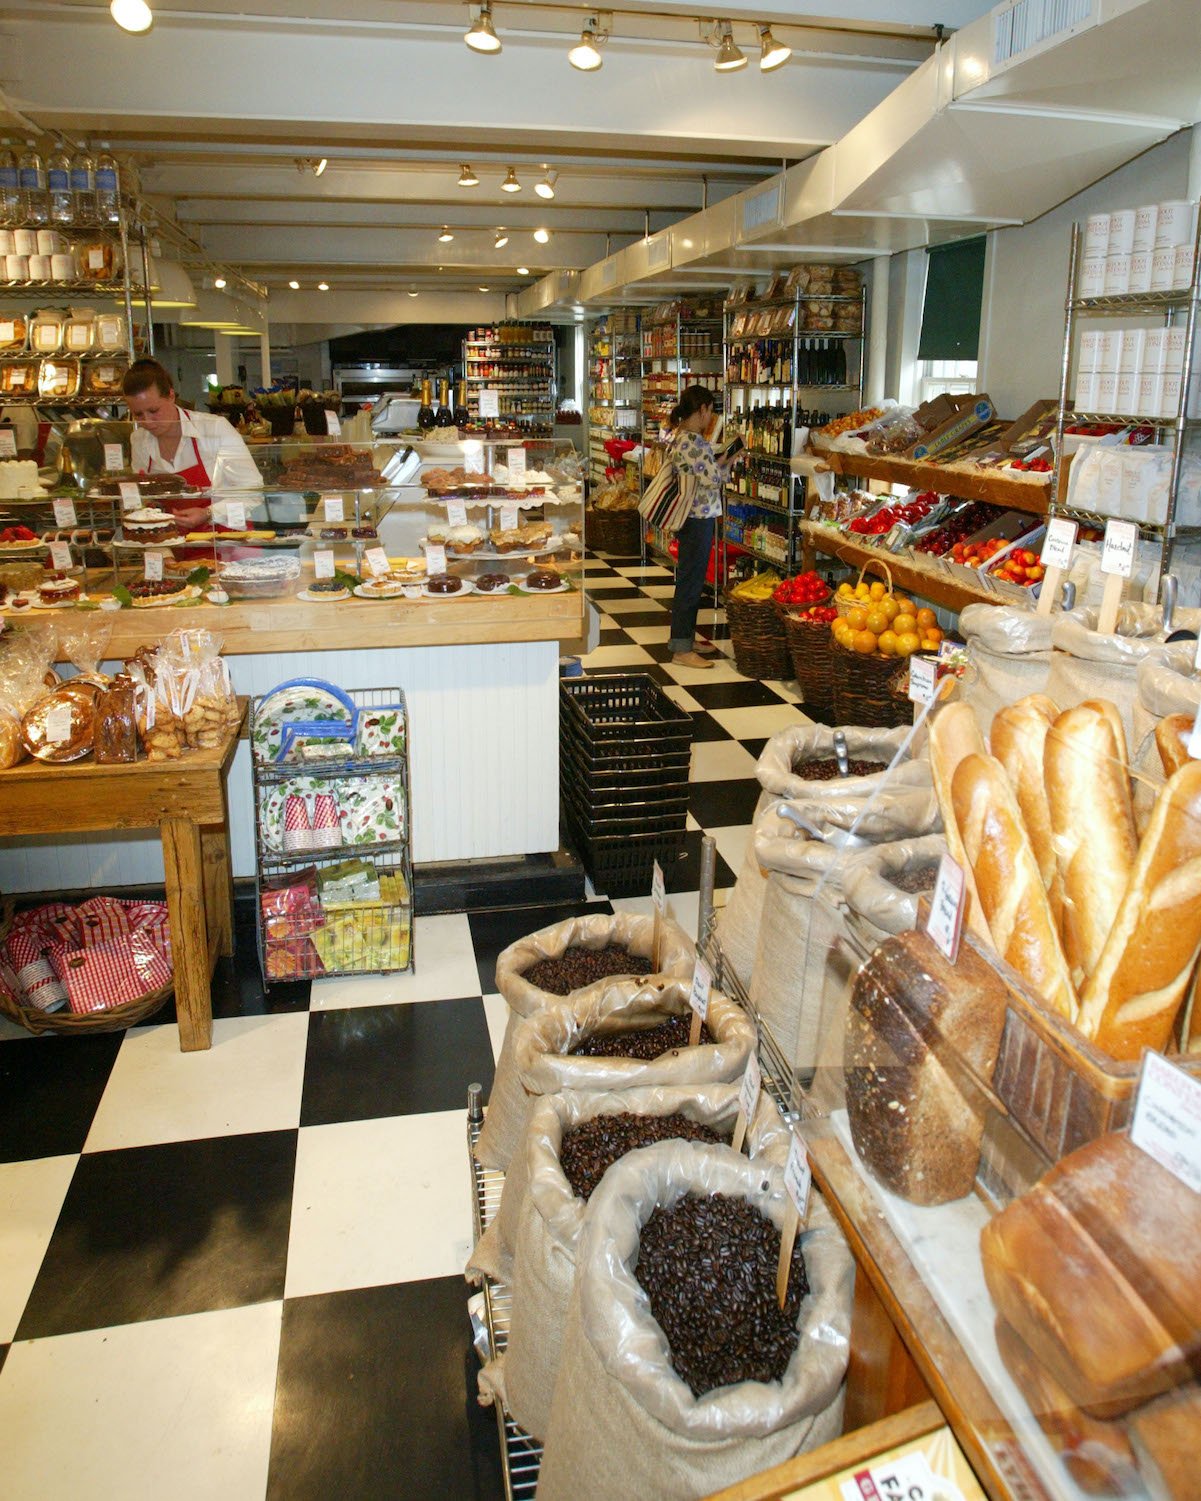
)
(184, 869)
(218, 887)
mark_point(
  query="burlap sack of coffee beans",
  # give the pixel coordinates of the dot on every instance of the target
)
(623, 1426)
(884, 805)
(738, 921)
(677, 956)
(544, 1219)
(881, 886)
(540, 1061)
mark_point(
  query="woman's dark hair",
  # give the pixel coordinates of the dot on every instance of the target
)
(144, 375)
(691, 402)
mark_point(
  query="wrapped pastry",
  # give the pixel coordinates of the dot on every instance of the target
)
(60, 726)
(116, 738)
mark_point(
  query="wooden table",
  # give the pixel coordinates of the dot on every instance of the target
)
(186, 801)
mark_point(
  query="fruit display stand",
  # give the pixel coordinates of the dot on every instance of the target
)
(1032, 493)
(932, 580)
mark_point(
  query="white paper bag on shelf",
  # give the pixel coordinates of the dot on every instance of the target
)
(623, 1426)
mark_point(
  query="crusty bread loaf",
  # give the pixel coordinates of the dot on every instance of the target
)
(1017, 738)
(919, 1032)
(1092, 817)
(1110, 712)
(12, 749)
(1098, 1270)
(1008, 881)
(1165, 1438)
(1096, 1454)
(1132, 996)
(1172, 735)
(954, 734)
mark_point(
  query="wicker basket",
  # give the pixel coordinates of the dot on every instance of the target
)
(757, 635)
(115, 1019)
(861, 690)
(616, 532)
(809, 648)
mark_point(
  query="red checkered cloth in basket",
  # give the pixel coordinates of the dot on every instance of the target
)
(37, 983)
(102, 919)
(151, 920)
(100, 976)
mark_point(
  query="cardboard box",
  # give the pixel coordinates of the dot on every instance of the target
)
(969, 419)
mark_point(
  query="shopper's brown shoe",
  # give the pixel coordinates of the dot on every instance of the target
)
(689, 659)
(700, 645)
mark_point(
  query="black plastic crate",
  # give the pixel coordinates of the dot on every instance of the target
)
(622, 789)
(624, 818)
(629, 708)
(671, 757)
(623, 864)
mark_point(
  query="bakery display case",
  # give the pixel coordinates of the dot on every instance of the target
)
(996, 1075)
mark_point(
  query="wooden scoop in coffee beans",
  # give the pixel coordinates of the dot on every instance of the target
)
(644, 1043)
(708, 1267)
(825, 768)
(577, 966)
(590, 1149)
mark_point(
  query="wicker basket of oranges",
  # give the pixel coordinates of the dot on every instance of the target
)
(870, 636)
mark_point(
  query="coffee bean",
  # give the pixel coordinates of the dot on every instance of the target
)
(825, 768)
(644, 1043)
(917, 881)
(577, 966)
(591, 1148)
(708, 1266)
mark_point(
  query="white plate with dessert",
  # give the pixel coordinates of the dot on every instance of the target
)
(179, 596)
(560, 586)
(323, 596)
(443, 586)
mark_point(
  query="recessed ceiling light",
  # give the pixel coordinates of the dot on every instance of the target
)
(730, 57)
(585, 55)
(412, 291)
(480, 36)
(772, 54)
(483, 289)
(510, 184)
(219, 283)
(467, 178)
(323, 286)
(132, 15)
(446, 236)
(502, 240)
(546, 188)
(542, 236)
(523, 270)
(295, 285)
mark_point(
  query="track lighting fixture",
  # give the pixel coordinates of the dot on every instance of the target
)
(446, 236)
(323, 286)
(483, 289)
(730, 57)
(315, 165)
(480, 36)
(772, 54)
(412, 291)
(220, 283)
(546, 188)
(131, 15)
(523, 270)
(510, 184)
(322, 163)
(542, 236)
(585, 55)
(295, 285)
(467, 178)
(502, 240)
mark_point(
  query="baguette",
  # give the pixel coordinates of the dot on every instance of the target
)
(1132, 997)
(1109, 711)
(1171, 739)
(955, 734)
(1092, 817)
(1018, 736)
(1008, 881)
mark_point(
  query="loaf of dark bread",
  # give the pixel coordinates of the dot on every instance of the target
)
(920, 1033)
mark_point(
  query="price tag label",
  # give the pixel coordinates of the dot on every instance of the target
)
(376, 560)
(510, 518)
(658, 892)
(131, 496)
(323, 563)
(8, 332)
(797, 1177)
(8, 443)
(702, 984)
(516, 464)
(1058, 543)
(16, 378)
(473, 458)
(489, 403)
(923, 677)
(335, 508)
(60, 555)
(909, 1478)
(752, 1083)
(333, 424)
(152, 566)
(1167, 1118)
(1117, 555)
(114, 458)
(435, 558)
(58, 724)
(945, 922)
(456, 513)
(64, 513)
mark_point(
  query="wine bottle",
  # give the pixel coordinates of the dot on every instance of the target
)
(425, 412)
(462, 413)
(445, 416)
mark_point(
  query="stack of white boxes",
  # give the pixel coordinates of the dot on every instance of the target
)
(1131, 371)
(1139, 250)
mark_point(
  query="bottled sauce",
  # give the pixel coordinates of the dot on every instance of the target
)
(58, 187)
(31, 175)
(83, 187)
(10, 190)
(108, 192)
(425, 412)
(445, 416)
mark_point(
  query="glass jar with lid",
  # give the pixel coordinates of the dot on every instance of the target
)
(46, 331)
(97, 260)
(79, 331)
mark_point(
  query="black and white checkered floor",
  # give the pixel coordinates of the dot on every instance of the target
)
(239, 1273)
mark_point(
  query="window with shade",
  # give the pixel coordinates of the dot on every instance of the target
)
(950, 335)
